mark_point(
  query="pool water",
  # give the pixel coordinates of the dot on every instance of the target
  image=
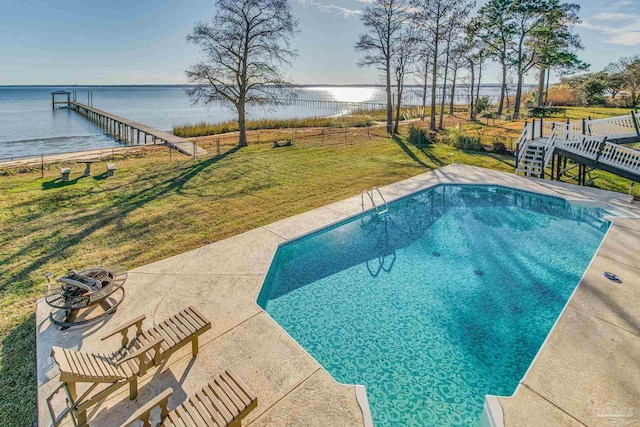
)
(444, 299)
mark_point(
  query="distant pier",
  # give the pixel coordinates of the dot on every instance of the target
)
(126, 130)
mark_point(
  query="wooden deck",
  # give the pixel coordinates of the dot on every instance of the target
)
(134, 132)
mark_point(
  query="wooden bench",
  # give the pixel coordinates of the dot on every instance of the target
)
(224, 402)
(111, 169)
(64, 174)
(282, 143)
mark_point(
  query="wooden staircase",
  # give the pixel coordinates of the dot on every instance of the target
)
(588, 144)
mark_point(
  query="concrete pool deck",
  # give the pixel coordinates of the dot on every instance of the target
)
(590, 360)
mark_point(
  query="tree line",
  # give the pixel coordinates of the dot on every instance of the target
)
(618, 85)
(436, 39)
(434, 42)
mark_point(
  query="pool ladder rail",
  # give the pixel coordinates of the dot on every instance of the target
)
(380, 209)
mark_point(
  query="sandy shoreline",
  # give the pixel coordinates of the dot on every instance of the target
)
(47, 159)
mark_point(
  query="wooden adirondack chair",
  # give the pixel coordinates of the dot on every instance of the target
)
(223, 402)
(107, 373)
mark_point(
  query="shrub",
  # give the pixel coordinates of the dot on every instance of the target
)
(418, 136)
(561, 94)
(500, 148)
(483, 104)
(546, 111)
(468, 143)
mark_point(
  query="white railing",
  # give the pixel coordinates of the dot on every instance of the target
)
(592, 144)
(548, 149)
(583, 145)
(521, 142)
(614, 127)
(621, 157)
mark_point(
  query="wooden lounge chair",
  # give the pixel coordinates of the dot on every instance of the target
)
(225, 401)
(109, 372)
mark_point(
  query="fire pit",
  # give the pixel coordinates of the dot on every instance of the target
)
(84, 297)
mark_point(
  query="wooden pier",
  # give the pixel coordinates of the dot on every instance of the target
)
(135, 133)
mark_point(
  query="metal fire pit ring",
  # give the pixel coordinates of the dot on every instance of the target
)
(71, 307)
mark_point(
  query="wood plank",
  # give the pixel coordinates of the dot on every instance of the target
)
(61, 359)
(237, 390)
(187, 323)
(184, 416)
(241, 384)
(175, 419)
(199, 315)
(213, 412)
(176, 325)
(239, 406)
(217, 398)
(179, 334)
(202, 411)
(169, 338)
(194, 413)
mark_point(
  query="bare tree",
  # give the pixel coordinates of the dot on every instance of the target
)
(436, 18)
(383, 21)
(432, 16)
(423, 64)
(628, 70)
(475, 52)
(244, 48)
(402, 62)
(457, 59)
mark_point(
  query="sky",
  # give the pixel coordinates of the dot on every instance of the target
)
(115, 42)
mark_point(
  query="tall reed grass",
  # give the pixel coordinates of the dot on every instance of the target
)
(362, 118)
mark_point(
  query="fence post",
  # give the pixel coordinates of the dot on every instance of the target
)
(42, 165)
(368, 131)
(635, 122)
(170, 155)
(218, 147)
(195, 152)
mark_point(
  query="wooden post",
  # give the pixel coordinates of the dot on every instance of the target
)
(42, 165)
(218, 146)
(635, 123)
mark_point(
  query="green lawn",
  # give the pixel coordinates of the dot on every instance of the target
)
(154, 209)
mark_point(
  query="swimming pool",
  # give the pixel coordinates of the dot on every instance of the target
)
(444, 299)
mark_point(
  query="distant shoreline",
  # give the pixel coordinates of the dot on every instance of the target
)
(185, 85)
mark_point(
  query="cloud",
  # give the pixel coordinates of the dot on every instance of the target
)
(616, 27)
(620, 3)
(332, 8)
